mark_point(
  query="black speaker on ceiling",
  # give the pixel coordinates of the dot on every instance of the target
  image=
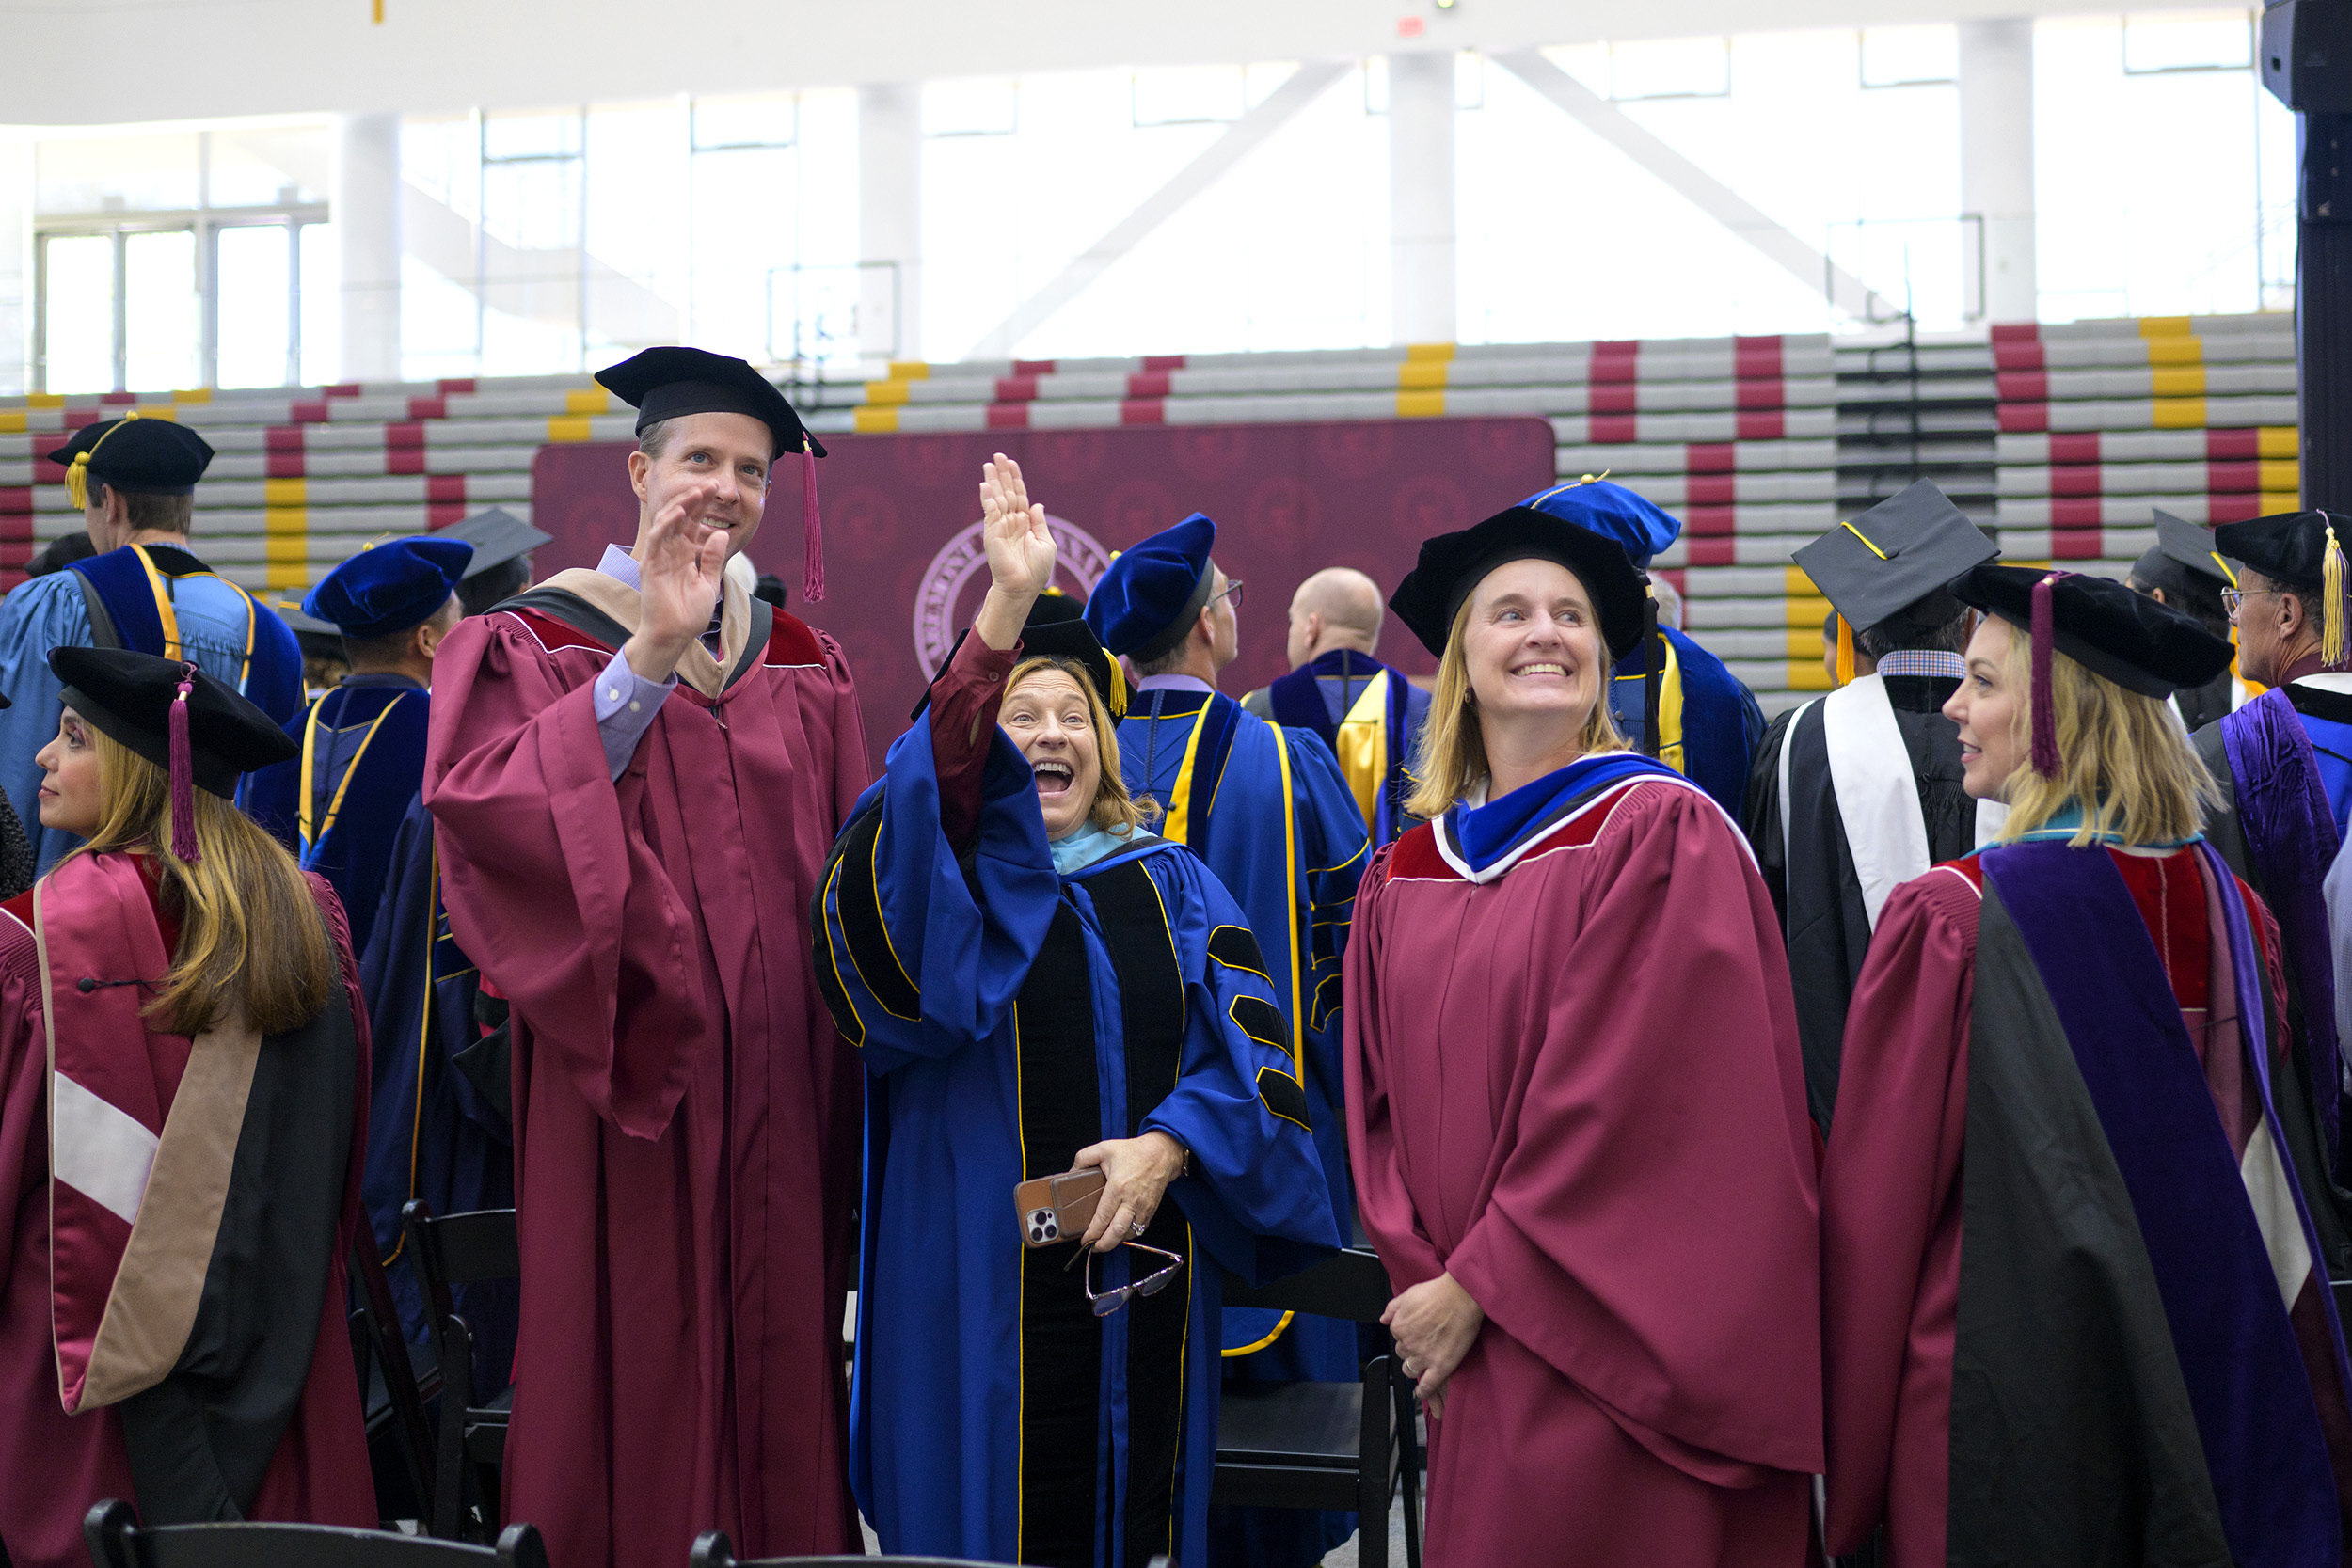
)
(2307, 55)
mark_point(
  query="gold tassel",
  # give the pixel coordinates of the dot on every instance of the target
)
(77, 472)
(2331, 600)
(1845, 652)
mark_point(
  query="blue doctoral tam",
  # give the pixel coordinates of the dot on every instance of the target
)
(398, 584)
(1641, 525)
(1146, 602)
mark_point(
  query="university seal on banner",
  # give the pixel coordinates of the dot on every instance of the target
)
(1080, 558)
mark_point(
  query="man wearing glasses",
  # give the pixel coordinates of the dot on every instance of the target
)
(1269, 810)
(2284, 764)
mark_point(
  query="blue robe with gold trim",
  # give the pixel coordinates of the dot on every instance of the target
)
(1268, 807)
(1709, 723)
(341, 802)
(157, 599)
(1008, 1017)
(1370, 716)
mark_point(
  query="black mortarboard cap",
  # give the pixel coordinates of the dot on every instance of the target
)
(671, 382)
(129, 696)
(496, 535)
(2288, 547)
(2185, 543)
(1057, 628)
(1898, 554)
(1453, 565)
(144, 455)
(2129, 637)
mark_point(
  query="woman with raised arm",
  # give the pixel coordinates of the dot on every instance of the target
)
(1039, 986)
(2060, 1053)
(183, 1103)
(1575, 1107)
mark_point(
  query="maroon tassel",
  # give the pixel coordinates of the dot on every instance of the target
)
(812, 529)
(184, 775)
(2045, 746)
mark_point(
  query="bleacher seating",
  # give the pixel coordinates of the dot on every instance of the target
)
(2064, 438)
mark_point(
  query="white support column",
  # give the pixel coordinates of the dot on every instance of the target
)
(890, 220)
(1996, 163)
(16, 263)
(1421, 198)
(365, 206)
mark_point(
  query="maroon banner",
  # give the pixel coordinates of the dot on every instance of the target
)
(903, 562)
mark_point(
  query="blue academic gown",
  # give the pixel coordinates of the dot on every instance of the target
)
(157, 599)
(438, 1125)
(1007, 1016)
(1370, 716)
(1709, 726)
(1268, 807)
(340, 804)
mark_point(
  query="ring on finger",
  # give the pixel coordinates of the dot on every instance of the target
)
(1137, 1229)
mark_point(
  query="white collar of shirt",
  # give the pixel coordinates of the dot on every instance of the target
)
(1174, 683)
(620, 566)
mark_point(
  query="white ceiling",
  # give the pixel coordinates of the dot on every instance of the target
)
(117, 61)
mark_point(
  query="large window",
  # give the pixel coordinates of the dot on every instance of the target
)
(178, 259)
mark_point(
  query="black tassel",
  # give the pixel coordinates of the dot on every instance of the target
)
(1653, 674)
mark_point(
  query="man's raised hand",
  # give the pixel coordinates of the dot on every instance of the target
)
(1020, 553)
(681, 563)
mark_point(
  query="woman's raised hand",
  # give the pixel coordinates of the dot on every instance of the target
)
(1020, 553)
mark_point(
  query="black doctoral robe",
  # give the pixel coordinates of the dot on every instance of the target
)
(1809, 863)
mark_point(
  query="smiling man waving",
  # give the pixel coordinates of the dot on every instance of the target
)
(636, 774)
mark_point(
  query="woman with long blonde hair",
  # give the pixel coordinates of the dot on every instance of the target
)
(1575, 1106)
(1081, 1109)
(2075, 1308)
(182, 1095)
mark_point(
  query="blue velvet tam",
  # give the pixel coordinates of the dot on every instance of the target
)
(1614, 511)
(1148, 600)
(395, 585)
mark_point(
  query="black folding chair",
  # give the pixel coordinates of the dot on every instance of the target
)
(1325, 1445)
(396, 1378)
(463, 1249)
(117, 1540)
(712, 1549)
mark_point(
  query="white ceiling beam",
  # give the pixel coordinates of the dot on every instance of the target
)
(1241, 138)
(1650, 153)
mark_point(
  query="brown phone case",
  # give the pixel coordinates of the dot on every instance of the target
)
(1055, 1208)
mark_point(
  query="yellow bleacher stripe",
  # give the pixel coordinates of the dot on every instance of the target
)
(592, 399)
(192, 394)
(286, 546)
(568, 427)
(2275, 474)
(2275, 501)
(1420, 374)
(874, 422)
(1420, 405)
(2179, 414)
(1438, 351)
(1807, 611)
(885, 393)
(1809, 675)
(2175, 350)
(13, 421)
(159, 411)
(44, 400)
(2164, 326)
(910, 369)
(2279, 440)
(1802, 643)
(2184, 381)
(285, 492)
(1794, 582)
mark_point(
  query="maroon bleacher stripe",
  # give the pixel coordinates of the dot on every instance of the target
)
(341, 389)
(16, 528)
(76, 418)
(313, 412)
(117, 400)
(2016, 332)
(282, 437)
(1757, 358)
(445, 487)
(1711, 457)
(450, 385)
(1761, 394)
(2075, 513)
(1709, 489)
(442, 513)
(1008, 416)
(1611, 430)
(1677, 577)
(428, 408)
(1711, 552)
(283, 465)
(1708, 522)
(404, 459)
(16, 500)
(1143, 411)
(1149, 384)
(2024, 418)
(2022, 386)
(1164, 362)
(409, 434)
(1616, 369)
(1761, 426)
(2023, 354)
(1033, 367)
(2230, 446)
(1016, 389)
(1612, 397)
(2082, 480)
(2232, 509)
(2074, 447)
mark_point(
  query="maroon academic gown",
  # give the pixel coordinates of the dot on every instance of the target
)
(1577, 1088)
(686, 1119)
(1891, 1183)
(54, 1467)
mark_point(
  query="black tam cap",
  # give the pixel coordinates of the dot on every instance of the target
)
(149, 456)
(2186, 544)
(2288, 547)
(129, 696)
(1454, 564)
(1896, 557)
(496, 535)
(671, 382)
(1057, 628)
(2129, 638)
